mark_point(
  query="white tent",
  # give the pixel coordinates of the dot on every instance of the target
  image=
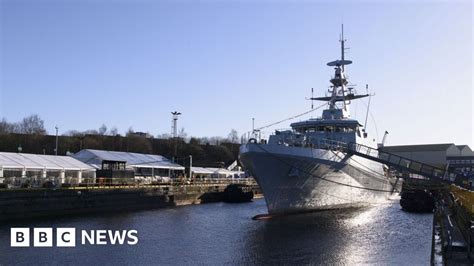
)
(201, 171)
(10, 160)
(15, 167)
(135, 160)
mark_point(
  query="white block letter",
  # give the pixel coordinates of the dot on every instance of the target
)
(43, 237)
(66, 237)
(20, 237)
(101, 237)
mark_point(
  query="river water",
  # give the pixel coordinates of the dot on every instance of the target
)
(221, 233)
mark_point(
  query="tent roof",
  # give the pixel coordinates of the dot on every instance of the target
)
(95, 158)
(212, 170)
(39, 161)
(202, 170)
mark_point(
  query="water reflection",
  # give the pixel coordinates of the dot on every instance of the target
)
(376, 234)
(319, 237)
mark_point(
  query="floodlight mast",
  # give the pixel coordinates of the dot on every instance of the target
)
(174, 124)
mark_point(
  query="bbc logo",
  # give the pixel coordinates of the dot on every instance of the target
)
(42, 237)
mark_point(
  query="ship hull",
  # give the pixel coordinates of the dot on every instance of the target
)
(296, 179)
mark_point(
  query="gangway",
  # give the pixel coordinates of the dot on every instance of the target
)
(397, 162)
(400, 163)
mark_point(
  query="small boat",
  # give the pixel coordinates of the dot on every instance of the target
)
(236, 193)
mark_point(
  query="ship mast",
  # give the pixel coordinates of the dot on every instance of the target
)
(343, 72)
(339, 79)
(339, 82)
(342, 46)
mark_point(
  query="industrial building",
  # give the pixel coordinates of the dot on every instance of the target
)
(458, 158)
(34, 169)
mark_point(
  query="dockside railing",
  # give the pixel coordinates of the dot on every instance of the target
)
(113, 183)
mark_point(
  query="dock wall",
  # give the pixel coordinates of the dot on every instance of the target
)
(34, 203)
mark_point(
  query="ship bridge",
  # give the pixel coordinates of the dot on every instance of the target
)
(314, 123)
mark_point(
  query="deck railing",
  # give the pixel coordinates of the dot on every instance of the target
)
(113, 183)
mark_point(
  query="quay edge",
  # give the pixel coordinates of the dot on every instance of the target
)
(23, 204)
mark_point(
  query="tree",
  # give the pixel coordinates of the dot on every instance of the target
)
(103, 130)
(114, 131)
(73, 133)
(130, 131)
(6, 127)
(182, 134)
(194, 141)
(163, 136)
(91, 132)
(233, 136)
(211, 140)
(32, 124)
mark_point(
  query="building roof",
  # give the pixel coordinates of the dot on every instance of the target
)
(40, 161)
(460, 147)
(95, 158)
(417, 148)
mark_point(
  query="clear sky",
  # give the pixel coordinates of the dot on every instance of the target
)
(79, 64)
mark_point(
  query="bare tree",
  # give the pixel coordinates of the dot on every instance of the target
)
(6, 127)
(114, 131)
(32, 124)
(182, 134)
(130, 131)
(216, 140)
(233, 136)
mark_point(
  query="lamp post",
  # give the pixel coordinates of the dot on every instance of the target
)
(56, 150)
(190, 167)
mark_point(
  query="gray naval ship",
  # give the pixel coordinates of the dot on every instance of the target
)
(305, 169)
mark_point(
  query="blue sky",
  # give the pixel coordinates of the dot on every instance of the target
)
(79, 64)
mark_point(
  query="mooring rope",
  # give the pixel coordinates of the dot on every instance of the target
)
(291, 118)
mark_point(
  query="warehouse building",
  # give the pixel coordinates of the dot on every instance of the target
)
(22, 169)
(462, 162)
(458, 158)
(433, 154)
